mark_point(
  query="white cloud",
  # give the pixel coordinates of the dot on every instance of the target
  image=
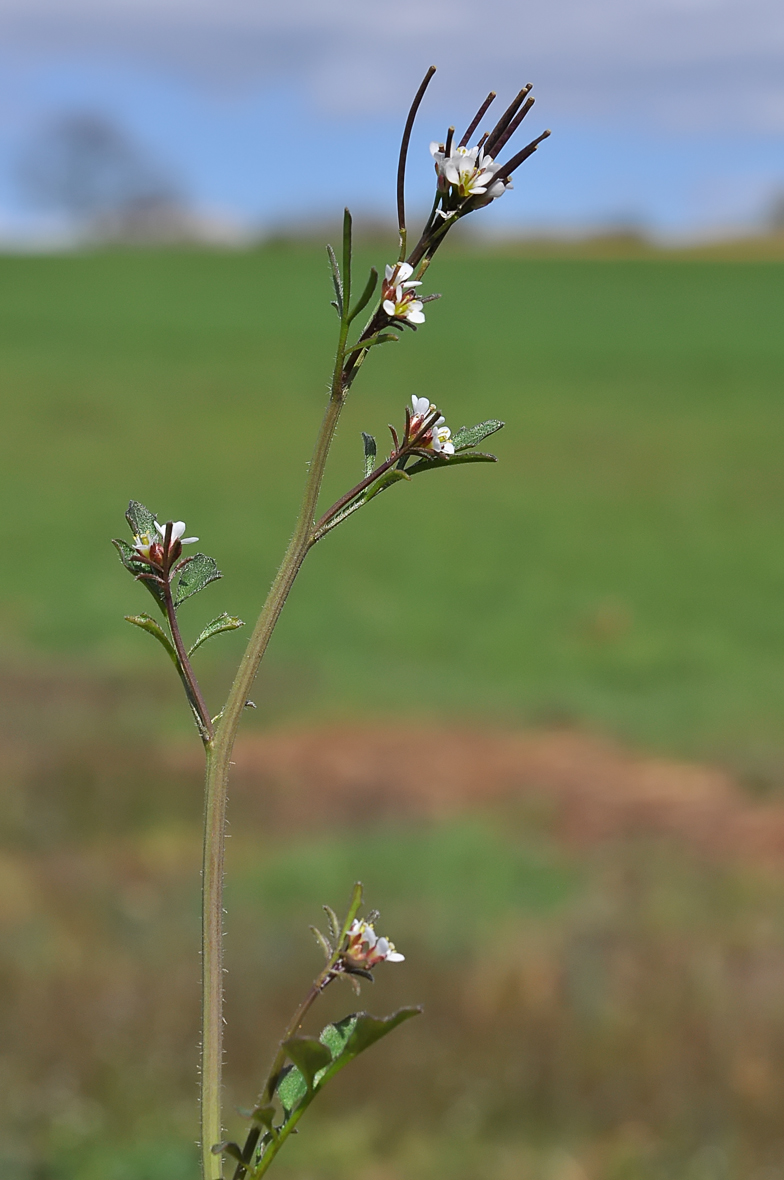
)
(697, 64)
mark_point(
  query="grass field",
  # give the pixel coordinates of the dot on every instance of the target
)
(603, 1005)
(622, 566)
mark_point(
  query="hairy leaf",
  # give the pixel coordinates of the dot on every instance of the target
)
(334, 1036)
(139, 569)
(370, 452)
(292, 1088)
(197, 572)
(386, 481)
(146, 623)
(332, 918)
(337, 284)
(452, 461)
(140, 519)
(223, 622)
(471, 436)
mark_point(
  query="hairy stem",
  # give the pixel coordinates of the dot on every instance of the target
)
(218, 763)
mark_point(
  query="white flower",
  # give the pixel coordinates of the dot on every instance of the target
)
(142, 543)
(437, 437)
(178, 528)
(442, 443)
(365, 949)
(399, 299)
(469, 172)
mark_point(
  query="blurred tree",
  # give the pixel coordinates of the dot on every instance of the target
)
(86, 167)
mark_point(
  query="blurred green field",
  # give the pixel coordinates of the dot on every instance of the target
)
(604, 1010)
(622, 566)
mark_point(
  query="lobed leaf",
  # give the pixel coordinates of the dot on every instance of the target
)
(471, 436)
(223, 622)
(196, 573)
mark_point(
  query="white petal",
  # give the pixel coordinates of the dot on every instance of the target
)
(178, 528)
(438, 423)
(161, 528)
(413, 283)
(189, 540)
(388, 272)
(421, 405)
(405, 270)
(436, 148)
(388, 307)
(382, 947)
(448, 448)
(395, 957)
(415, 315)
(451, 172)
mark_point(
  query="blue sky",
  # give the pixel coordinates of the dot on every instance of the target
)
(665, 113)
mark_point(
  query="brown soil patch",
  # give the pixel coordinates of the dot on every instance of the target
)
(595, 789)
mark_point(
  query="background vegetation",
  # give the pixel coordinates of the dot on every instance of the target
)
(609, 1010)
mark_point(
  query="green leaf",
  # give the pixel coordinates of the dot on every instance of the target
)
(130, 560)
(471, 436)
(353, 909)
(292, 1088)
(336, 283)
(230, 1149)
(264, 1115)
(321, 940)
(149, 624)
(369, 444)
(197, 572)
(332, 918)
(347, 258)
(368, 1029)
(334, 1036)
(379, 338)
(386, 481)
(223, 622)
(309, 1055)
(451, 461)
(366, 295)
(140, 519)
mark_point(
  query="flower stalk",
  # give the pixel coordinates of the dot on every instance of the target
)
(467, 178)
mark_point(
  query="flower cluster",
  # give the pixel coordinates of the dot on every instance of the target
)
(467, 172)
(438, 436)
(398, 296)
(158, 551)
(365, 950)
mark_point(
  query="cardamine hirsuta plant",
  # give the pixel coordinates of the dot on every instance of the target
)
(468, 177)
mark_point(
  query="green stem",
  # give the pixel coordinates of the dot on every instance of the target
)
(218, 761)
